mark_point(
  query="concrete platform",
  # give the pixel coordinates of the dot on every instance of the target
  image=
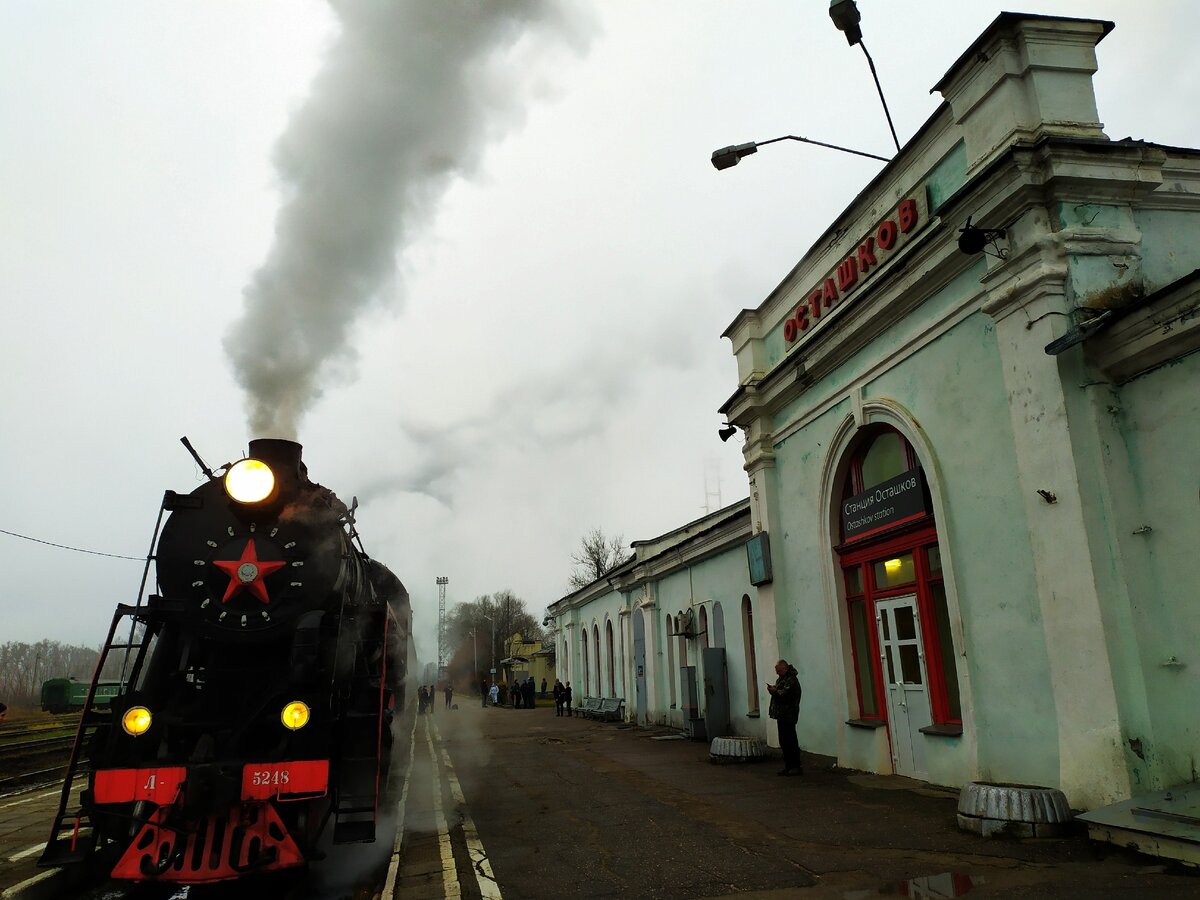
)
(1162, 823)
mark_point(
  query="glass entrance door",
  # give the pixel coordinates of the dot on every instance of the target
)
(902, 659)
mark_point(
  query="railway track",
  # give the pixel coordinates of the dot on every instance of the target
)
(35, 753)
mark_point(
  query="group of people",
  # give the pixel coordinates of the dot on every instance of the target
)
(521, 694)
(785, 705)
(562, 698)
(426, 694)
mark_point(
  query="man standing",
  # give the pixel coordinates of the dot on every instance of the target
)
(567, 698)
(483, 692)
(558, 697)
(494, 694)
(449, 691)
(785, 710)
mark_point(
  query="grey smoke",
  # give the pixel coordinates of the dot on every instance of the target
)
(410, 95)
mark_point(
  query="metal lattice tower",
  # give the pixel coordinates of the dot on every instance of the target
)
(712, 485)
(443, 648)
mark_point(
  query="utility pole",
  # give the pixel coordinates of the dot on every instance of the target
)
(493, 621)
(442, 581)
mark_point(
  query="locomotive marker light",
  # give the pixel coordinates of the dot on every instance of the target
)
(249, 481)
(295, 715)
(136, 720)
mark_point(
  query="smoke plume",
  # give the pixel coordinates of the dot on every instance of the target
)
(410, 95)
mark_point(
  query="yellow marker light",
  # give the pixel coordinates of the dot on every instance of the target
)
(891, 565)
(136, 720)
(249, 481)
(294, 715)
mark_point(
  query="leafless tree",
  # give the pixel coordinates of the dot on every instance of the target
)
(596, 557)
(508, 613)
(24, 667)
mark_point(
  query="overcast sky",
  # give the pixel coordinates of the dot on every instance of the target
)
(480, 262)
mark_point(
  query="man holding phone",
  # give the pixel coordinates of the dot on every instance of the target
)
(785, 710)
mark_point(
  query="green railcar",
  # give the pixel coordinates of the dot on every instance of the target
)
(61, 695)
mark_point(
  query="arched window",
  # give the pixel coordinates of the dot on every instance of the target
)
(703, 627)
(584, 685)
(895, 560)
(624, 663)
(751, 661)
(670, 642)
(612, 659)
(596, 642)
(718, 625)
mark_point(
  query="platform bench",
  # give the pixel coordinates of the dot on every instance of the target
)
(589, 706)
(611, 709)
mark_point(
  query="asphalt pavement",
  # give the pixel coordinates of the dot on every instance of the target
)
(568, 807)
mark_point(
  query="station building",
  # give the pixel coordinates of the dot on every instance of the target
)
(974, 482)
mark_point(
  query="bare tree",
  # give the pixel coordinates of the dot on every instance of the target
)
(502, 611)
(23, 668)
(596, 557)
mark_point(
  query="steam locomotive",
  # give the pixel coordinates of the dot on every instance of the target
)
(259, 687)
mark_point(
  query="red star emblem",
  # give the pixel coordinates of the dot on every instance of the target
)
(248, 573)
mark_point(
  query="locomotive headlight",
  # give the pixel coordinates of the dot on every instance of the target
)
(136, 720)
(249, 481)
(295, 715)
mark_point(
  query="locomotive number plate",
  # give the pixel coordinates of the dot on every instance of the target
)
(275, 777)
(286, 780)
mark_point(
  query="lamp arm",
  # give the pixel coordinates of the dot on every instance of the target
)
(795, 137)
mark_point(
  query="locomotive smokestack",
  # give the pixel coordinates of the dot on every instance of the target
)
(284, 458)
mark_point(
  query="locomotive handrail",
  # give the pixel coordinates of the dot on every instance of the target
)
(162, 507)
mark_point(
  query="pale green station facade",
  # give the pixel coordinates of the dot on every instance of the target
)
(973, 462)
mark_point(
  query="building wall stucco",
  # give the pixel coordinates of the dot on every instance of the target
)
(1158, 419)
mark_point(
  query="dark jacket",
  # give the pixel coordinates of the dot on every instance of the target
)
(785, 701)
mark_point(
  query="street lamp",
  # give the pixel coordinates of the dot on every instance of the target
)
(475, 651)
(730, 156)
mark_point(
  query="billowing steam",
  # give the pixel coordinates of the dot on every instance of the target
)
(411, 93)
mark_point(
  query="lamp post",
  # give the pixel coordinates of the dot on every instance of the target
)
(475, 652)
(846, 17)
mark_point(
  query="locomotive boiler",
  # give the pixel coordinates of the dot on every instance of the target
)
(259, 685)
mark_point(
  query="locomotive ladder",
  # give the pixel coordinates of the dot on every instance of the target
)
(355, 807)
(71, 836)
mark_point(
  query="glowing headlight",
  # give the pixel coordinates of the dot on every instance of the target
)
(294, 715)
(249, 481)
(136, 720)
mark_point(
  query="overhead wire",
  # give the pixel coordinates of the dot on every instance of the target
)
(26, 537)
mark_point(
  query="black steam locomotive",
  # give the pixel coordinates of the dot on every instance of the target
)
(259, 687)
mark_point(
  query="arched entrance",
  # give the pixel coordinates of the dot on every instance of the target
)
(889, 560)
